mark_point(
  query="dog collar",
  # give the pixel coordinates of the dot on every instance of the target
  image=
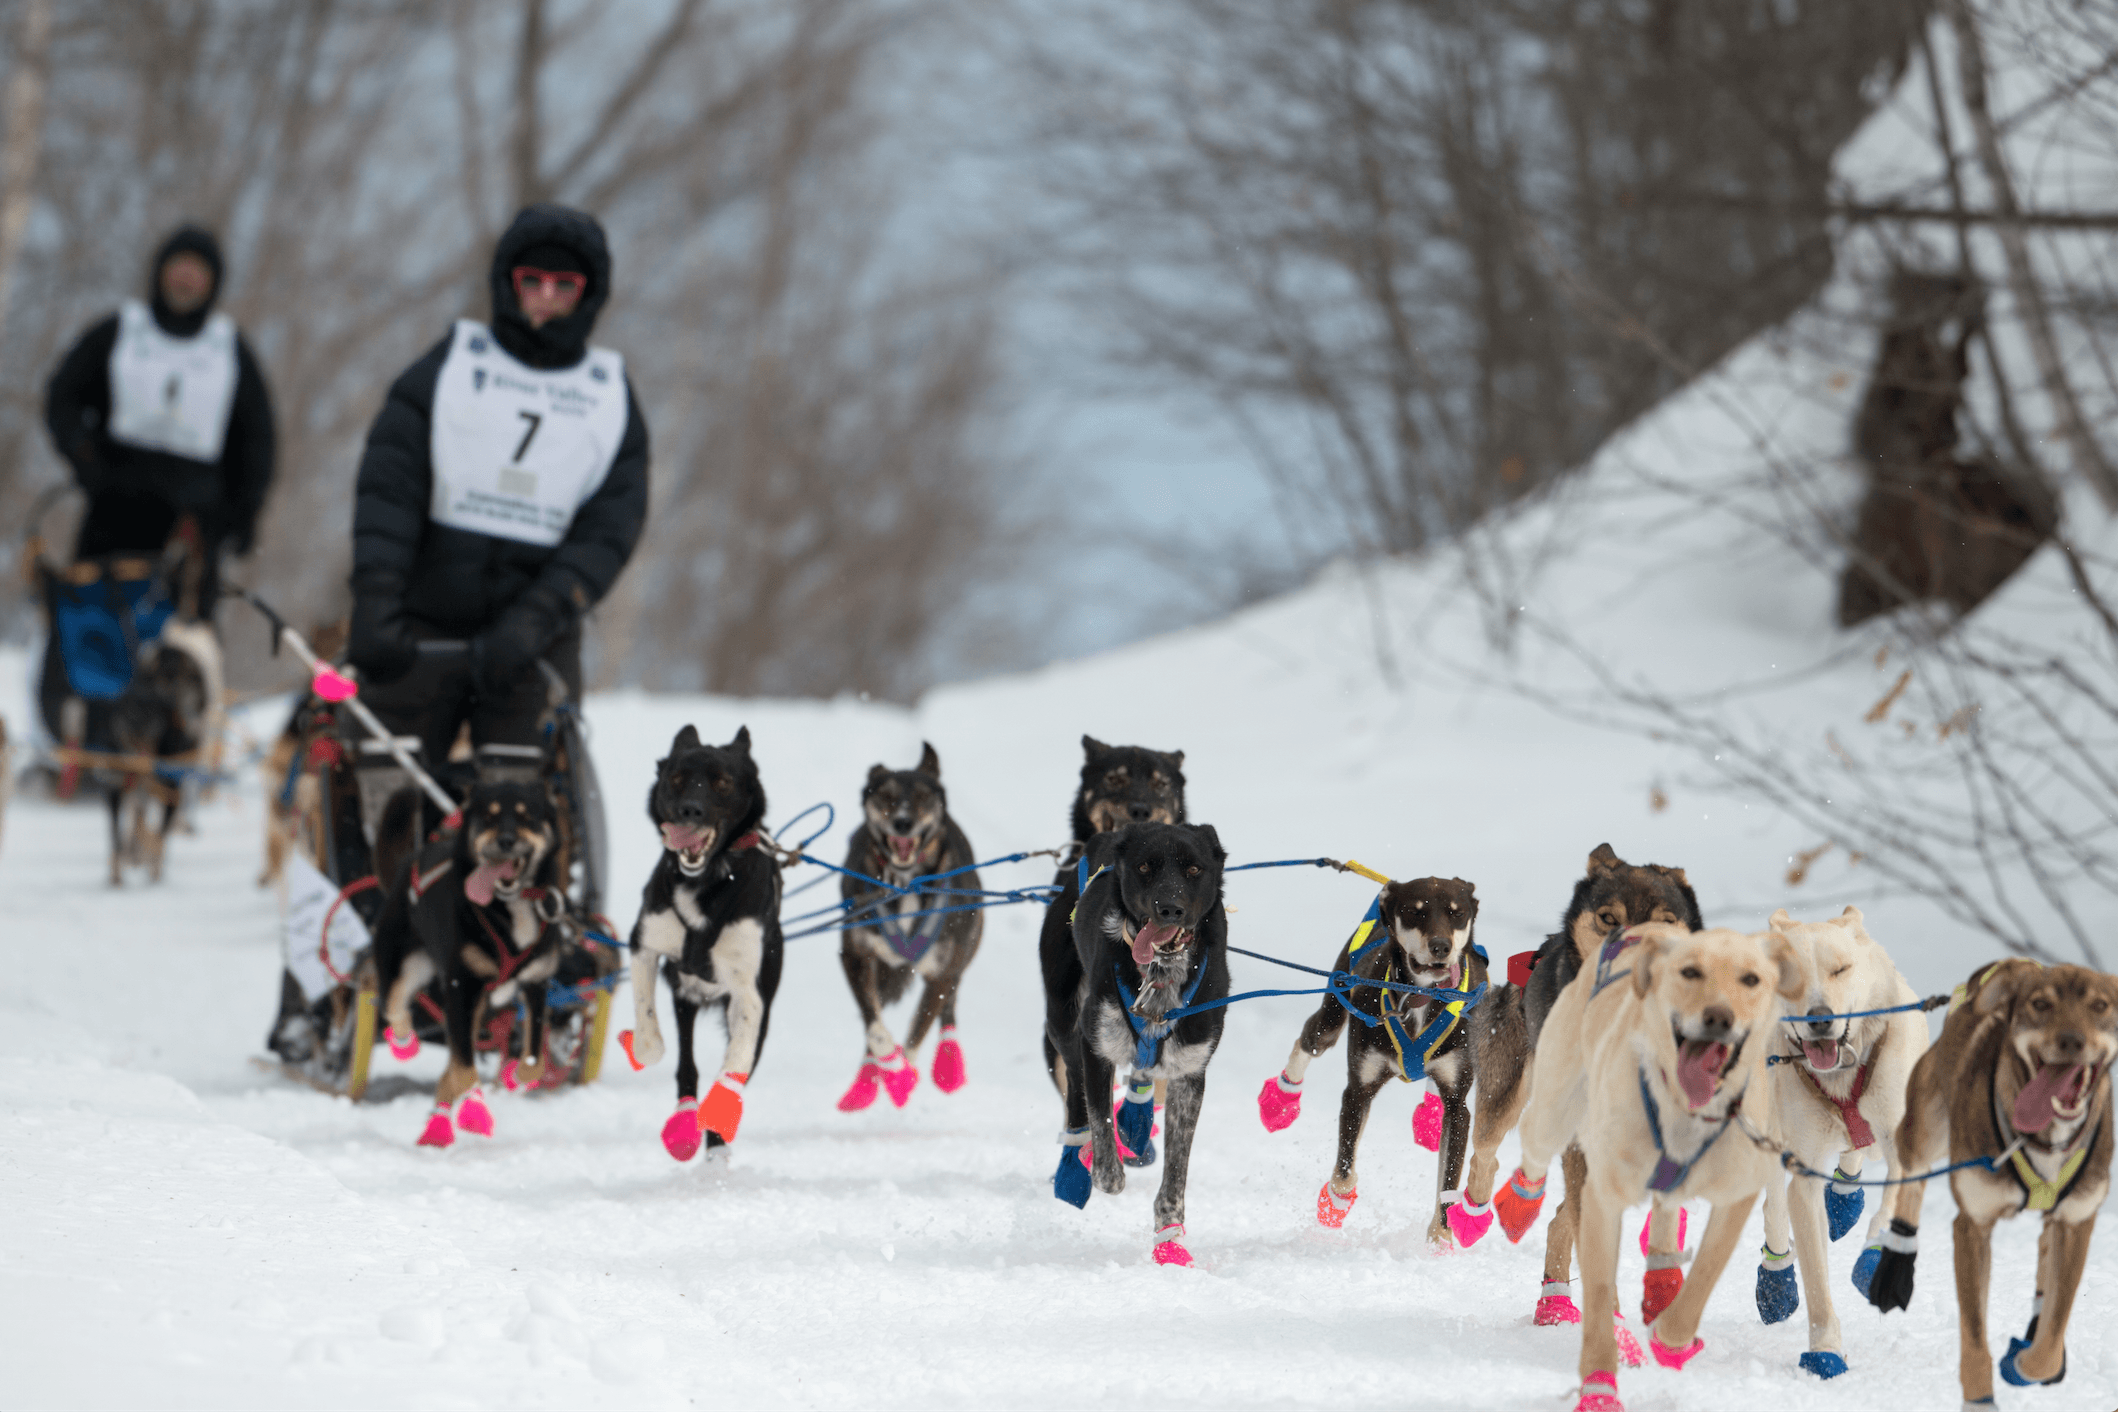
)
(1857, 1130)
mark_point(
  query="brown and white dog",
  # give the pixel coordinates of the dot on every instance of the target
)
(1423, 938)
(1839, 1093)
(2021, 1076)
(1649, 1062)
(168, 714)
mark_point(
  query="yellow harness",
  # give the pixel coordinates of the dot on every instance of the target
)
(2044, 1195)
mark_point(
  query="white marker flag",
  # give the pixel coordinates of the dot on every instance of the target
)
(306, 895)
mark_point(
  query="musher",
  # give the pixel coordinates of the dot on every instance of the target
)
(502, 489)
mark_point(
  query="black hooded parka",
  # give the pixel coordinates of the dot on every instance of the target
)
(136, 494)
(414, 575)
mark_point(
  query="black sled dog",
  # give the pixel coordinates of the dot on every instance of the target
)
(1120, 785)
(1416, 933)
(479, 907)
(709, 919)
(163, 713)
(1151, 947)
(906, 832)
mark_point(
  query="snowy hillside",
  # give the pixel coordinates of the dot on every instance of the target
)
(187, 1229)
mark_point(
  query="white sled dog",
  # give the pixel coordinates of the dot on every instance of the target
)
(1839, 1092)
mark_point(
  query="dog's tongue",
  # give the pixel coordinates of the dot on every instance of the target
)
(1823, 1053)
(1699, 1069)
(680, 838)
(479, 885)
(2033, 1106)
(901, 848)
(1148, 938)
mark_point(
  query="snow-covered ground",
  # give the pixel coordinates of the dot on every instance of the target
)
(186, 1228)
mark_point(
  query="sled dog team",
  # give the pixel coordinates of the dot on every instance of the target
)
(1651, 1056)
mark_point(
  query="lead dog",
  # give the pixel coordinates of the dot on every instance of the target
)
(1152, 941)
(2021, 1076)
(1839, 1088)
(1611, 895)
(906, 832)
(1420, 934)
(1648, 1062)
(476, 906)
(709, 920)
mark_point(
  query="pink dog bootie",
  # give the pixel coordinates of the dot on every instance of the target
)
(472, 1115)
(1555, 1305)
(402, 1046)
(948, 1061)
(1279, 1103)
(440, 1132)
(1331, 1208)
(1169, 1246)
(866, 1084)
(899, 1078)
(680, 1135)
(1673, 1357)
(1426, 1122)
(1466, 1221)
(1647, 1227)
(1599, 1393)
(1628, 1347)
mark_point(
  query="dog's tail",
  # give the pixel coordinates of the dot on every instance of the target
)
(397, 837)
(1500, 1044)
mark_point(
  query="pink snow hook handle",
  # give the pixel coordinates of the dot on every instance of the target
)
(333, 687)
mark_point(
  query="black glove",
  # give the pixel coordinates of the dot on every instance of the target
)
(380, 643)
(504, 652)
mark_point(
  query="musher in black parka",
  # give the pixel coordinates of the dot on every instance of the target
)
(502, 489)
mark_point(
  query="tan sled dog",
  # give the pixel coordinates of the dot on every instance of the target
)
(1651, 1060)
(1839, 1094)
(2021, 1076)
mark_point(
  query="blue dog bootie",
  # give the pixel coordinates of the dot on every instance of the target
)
(1779, 1289)
(1823, 1363)
(1071, 1182)
(1843, 1203)
(2017, 1346)
(1136, 1123)
(1864, 1269)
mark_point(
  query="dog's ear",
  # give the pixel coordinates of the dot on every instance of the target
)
(1093, 749)
(1794, 967)
(1997, 991)
(1213, 843)
(1646, 951)
(687, 739)
(742, 740)
(929, 762)
(1176, 759)
(1604, 860)
(1779, 921)
(877, 774)
(1852, 920)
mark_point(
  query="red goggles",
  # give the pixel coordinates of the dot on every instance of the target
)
(551, 282)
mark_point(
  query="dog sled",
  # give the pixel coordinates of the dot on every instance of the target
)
(327, 1028)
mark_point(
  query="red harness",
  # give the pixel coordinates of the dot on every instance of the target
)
(1857, 1130)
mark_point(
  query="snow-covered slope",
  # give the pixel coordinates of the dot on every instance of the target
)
(186, 1229)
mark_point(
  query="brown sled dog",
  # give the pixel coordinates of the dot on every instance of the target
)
(2021, 1076)
(1611, 896)
(906, 833)
(1424, 938)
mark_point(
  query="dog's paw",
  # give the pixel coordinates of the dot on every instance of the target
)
(1468, 1223)
(1864, 1269)
(866, 1084)
(680, 1135)
(1169, 1246)
(1108, 1173)
(1628, 1347)
(1779, 1288)
(899, 1077)
(1517, 1204)
(1891, 1286)
(1426, 1122)
(1658, 1290)
(1674, 1357)
(2011, 1366)
(948, 1062)
(721, 1110)
(642, 1047)
(402, 1046)
(1843, 1204)
(1331, 1208)
(1822, 1362)
(1134, 1122)
(522, 1074)
(1555, 1306)
(1599, 1393)
(1279, 1103)
(1071, 1183)
(472, 1115)
(440, 1132)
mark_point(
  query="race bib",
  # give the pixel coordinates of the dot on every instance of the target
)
(517, 450)
(171, 394)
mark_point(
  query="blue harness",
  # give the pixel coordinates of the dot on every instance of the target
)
(1668, 1175)
(1413, 1051)
(1149, 1034)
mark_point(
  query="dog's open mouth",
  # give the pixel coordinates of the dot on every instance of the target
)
(1700, 1064)
(903, 849)
(689, 842)
(1438, 977)
(1158, 936)
(494, 876)
(2054, 1092)
(1823, 1055)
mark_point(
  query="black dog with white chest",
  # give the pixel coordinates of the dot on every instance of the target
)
(709, 920)
(1151, 940)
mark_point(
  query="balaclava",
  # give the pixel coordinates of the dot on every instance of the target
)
(196, 240)
(556, 238)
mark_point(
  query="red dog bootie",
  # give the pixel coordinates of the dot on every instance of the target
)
(866, 1084)
(1331, 1208)
(1426, 1122)
(402, 1046)
(1555, 1305)
(1279, 1103)
(440, 1131)
(1169, 1246)
(899, 1078)
(1659, 1290)
(1517, 1203)
(1599, 1393)
(721, 1110)
(472, 1115)
(680, 1135)
(948, 1061)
